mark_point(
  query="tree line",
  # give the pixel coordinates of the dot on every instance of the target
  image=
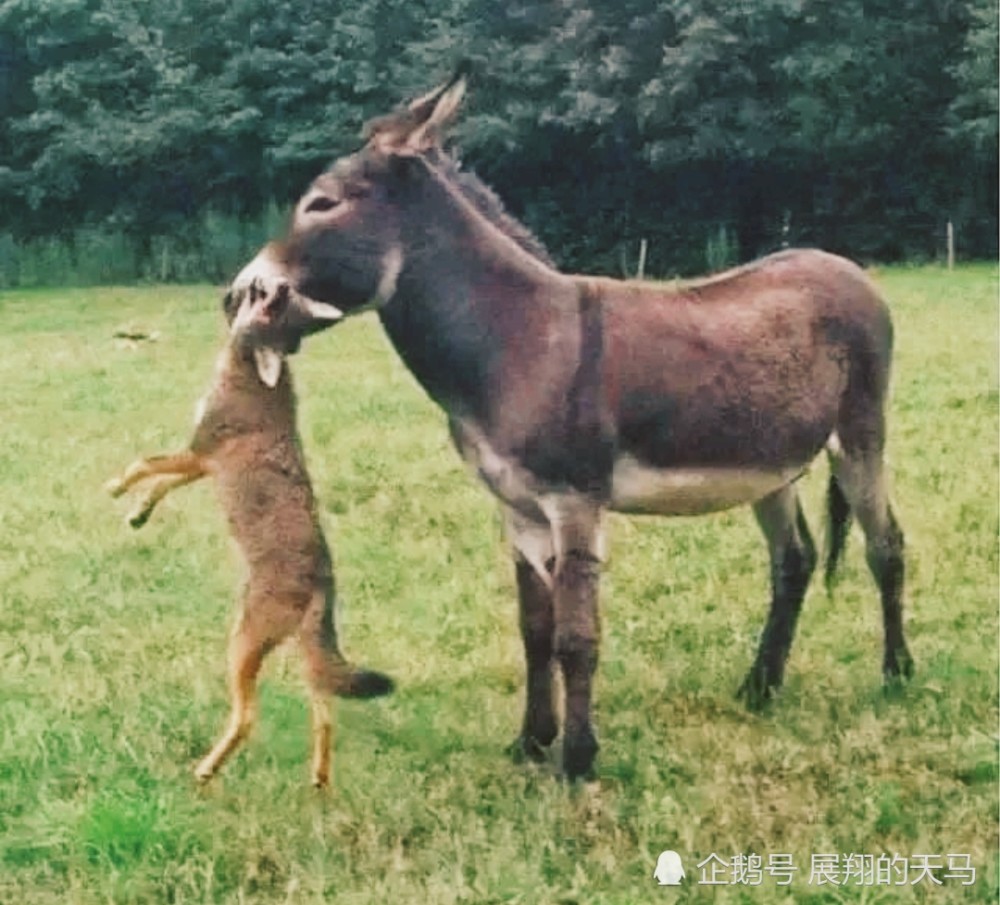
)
(715, 129)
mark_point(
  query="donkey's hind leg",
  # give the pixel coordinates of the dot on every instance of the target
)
(863, 480)
(793, 559)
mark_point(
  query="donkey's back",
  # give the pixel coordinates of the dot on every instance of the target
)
(732, 385)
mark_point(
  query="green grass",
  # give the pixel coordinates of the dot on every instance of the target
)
(112, 648)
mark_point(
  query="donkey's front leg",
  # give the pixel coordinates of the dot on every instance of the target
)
(577, 630)
(539, 728)
(534, 562)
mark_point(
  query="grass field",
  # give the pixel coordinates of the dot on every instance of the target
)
(112, 649)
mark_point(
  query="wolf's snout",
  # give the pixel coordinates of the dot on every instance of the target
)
(270, 295)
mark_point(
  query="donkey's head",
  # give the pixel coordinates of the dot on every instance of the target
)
(351, 229)
(349, 235)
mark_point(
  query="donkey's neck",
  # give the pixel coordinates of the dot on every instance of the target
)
(466, 294)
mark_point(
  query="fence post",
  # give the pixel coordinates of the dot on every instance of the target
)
(951, 245)
(641, 270)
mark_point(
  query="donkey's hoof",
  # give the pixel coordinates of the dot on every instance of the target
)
(527, 748)
(756, 691)
(898, 666)
(116, 487)
(579, 752)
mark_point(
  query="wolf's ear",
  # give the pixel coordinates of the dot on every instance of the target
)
(269, 363)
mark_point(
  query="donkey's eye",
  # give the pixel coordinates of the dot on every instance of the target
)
(321, 203)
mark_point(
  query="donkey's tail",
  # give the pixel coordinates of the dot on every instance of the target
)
(838, 524)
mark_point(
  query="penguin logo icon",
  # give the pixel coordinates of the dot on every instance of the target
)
(669, 870)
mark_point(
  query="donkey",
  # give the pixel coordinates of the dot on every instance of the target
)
(246, 438)
(572, 395)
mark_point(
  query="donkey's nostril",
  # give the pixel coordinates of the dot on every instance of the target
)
(320, 204)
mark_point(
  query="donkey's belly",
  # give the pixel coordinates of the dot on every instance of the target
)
(644, 489)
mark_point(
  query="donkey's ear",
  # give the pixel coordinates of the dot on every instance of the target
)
(423, 108)
(435, 111)
(419, 126)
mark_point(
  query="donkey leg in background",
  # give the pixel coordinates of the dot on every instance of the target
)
(533, 564)
(862, 477)
(793, 559)
(577, 630)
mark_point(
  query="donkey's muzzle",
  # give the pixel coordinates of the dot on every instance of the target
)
(266, 284)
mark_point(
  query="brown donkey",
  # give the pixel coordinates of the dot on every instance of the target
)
(246, 439)
(571, 395)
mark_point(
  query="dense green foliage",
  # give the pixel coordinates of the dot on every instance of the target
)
(861, 125)
(112, 672)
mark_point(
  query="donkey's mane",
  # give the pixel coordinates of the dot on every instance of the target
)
(486, 201)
